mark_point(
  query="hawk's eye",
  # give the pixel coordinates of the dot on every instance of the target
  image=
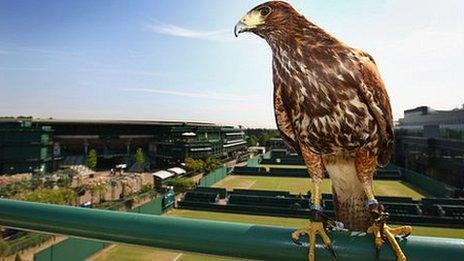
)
(264, 11)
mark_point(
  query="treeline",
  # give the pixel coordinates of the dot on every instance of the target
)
(261, 137)
(16, 117)
(202, 166)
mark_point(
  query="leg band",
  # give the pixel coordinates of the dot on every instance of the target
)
(372, 202)
(316, 207)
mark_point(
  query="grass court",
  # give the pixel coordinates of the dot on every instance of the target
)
(294, 185)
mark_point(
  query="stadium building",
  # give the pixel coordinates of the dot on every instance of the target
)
(25, 147)
(432, 142)
(67, 142)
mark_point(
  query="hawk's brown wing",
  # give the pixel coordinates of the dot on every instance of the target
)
(374, 94)
(284, 123)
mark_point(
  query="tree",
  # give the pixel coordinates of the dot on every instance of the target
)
(194, 165)
(92, 158)
(211, 164)
(252, 140)
(140, 159)
(264, 139)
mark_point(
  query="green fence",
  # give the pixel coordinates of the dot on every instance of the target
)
(254, 162)
(154, 207)
(213, 177)
(74, 249)
(427, 184)
(71, 249)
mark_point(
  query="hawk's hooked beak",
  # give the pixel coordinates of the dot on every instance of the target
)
(251, 20)
(239, 28)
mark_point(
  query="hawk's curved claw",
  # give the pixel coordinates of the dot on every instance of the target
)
(296, 240)
(377, 252)
(312, 230)
(332, 251)
(406, 235)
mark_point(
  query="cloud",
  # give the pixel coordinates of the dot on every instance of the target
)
(202, 95)
(49, 51)
(426, 42)
(3, 68)
(136, 54)
(174, 30)
(3, 51)
(22, 50)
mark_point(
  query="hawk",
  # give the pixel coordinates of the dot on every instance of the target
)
(331, 107)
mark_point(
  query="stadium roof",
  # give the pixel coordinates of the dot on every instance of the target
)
(424, 115)
(116, 122)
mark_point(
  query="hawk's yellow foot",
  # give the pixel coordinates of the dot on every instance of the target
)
(312, 230)
(383, 233)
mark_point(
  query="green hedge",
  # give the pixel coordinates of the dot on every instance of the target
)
(29, 240)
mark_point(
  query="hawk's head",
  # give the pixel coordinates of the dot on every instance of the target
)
(266, 18)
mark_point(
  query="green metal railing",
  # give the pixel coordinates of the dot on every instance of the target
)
(208, 237)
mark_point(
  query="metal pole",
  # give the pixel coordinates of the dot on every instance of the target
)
(208, 237)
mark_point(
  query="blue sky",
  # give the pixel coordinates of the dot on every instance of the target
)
(179, 60)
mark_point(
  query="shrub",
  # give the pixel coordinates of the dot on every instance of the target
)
(180, 183)
(92, 159)
(62, 196)
(194, 165)
(211, 164)
(140, 159)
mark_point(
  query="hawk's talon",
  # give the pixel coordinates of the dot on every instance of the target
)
(407, 235)
(383, 233)
(312, 230)
(332, 250)
(298, 233)
(296, 239)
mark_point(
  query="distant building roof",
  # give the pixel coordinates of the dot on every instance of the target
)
(163, 174)
(177, 170)
(116, 122)
(235, 133)
(424, 115)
